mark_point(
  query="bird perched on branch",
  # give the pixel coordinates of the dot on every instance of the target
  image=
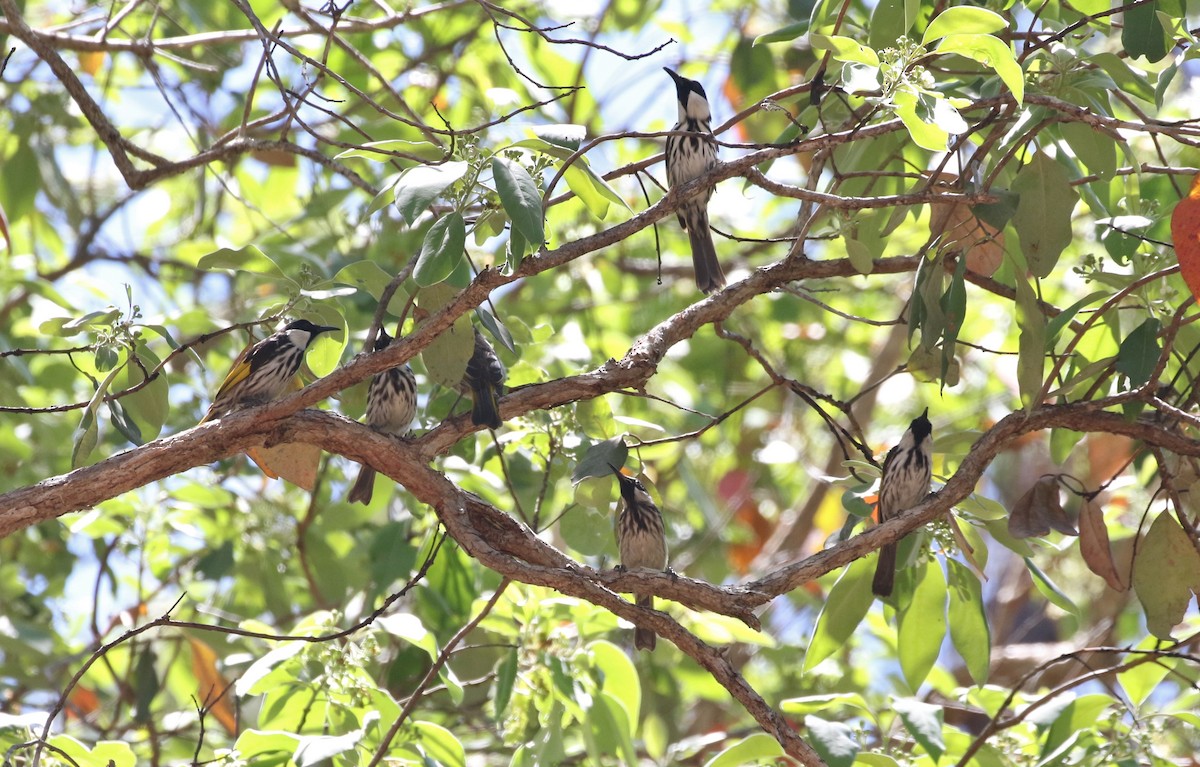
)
(688, 157)
(484, 378)
(907, 472)
(641, 541)
(265, 371)
(391, 406)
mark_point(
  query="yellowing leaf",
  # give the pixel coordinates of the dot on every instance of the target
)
(294, 461)
(1166, 572)
(212, 689)
(91, 61)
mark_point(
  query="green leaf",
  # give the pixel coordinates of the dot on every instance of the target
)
(924, 722)
(506, 677)
(381, 151)
(148, 406)
(87, 435)
(1043, 219)
(521, 198)
(313, 749)
(845, 606)
(446, 358)
(924, 134)
(833, 741)
(989, 51)
(1129, 80)
(1080, 715)
(106, 753)
(586, 529)
(844, 48)
(1031, 345)
(923, 624)
(566, 135)
(145, 686)
(247, 259)
(1095, 148)
(368, 276)
(1049, 589)
(1056, 325)
(1139, 352)
(889, 21)
(600, 458)
(619, 675)
(439, 745)
(1143, 33)
(1166, 573)
(255, 743)
(752, 749)
(963, 20)
(443, 248)
(417, 188)
(809, 704)
(860, 256)
(968, 622)
(783, 34)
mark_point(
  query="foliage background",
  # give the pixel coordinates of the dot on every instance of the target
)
(179, 175)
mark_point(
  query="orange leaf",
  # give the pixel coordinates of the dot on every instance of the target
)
(1185, 233)
(294, 461)
(213, 690)
(82, 702)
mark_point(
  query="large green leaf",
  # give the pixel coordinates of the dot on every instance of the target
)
(443, 249)
(417, 188)
(521, 198)
(1043, 218)
(845, 606)
(923, 624)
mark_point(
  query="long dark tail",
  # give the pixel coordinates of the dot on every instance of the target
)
(644, 639)
(885, 571)
(485, 406)
(709, 276)
(364, 486)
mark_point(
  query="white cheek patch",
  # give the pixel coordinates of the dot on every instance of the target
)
(299, 337)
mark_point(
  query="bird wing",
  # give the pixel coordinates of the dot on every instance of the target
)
(238, 372)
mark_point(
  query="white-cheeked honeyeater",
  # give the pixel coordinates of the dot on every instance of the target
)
(907, 472)
(484, 379)
(689, 156)
(265, 371)
(641, 541)
(391, 407)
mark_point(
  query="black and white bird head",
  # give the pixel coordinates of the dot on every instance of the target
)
(918, 431)
(383, 340)
(301, 333)
(632, 489)
(693, 104)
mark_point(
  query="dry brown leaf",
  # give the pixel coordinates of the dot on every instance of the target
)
(1039, 511)
(213, 690)
(1093, 544)
(958, 229)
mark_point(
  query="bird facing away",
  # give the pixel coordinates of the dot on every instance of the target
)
(688, 157)
(484, 378)
(391, 406)
(265, 371)
(907, 472)
(641, 541)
